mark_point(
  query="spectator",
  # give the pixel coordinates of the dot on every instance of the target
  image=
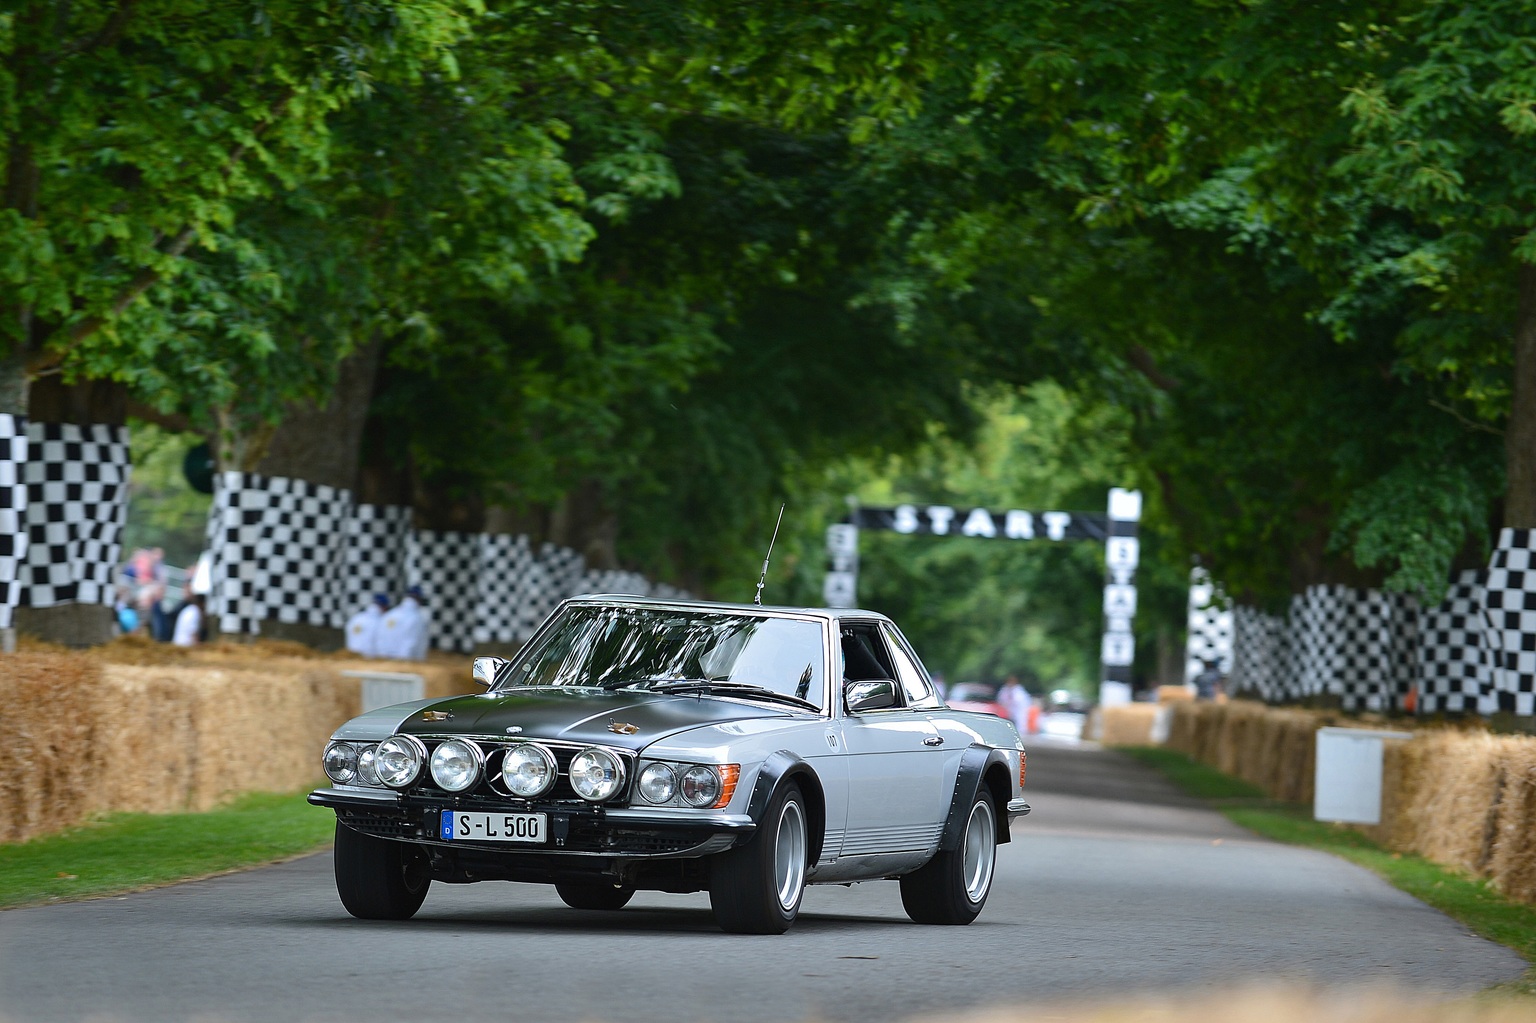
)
(189, 622)
(363, 627)
(1208, 681)
(1015, 699)
(404, 630)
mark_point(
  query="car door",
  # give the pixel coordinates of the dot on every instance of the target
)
(896, 765)
(920, 694)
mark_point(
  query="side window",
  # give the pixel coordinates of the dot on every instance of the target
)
(914, 682)
(864, 654)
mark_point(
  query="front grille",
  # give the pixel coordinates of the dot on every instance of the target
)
(379, 827)
(494, 749)
(634, 841)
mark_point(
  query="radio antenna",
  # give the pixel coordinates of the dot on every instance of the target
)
(758, 600)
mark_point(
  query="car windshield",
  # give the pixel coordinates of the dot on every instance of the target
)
(673, 650)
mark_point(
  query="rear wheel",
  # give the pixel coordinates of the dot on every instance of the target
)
(579, 895)
(756, 888)
(953, 886)
(378, 879)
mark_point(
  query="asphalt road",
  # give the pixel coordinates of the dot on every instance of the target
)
(1116, 884)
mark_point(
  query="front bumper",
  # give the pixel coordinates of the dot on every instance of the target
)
(1017, 808)
(574, 830)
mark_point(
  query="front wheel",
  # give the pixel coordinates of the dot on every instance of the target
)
(378, 879)
(756, 888)
(952, 887)
(593, 896)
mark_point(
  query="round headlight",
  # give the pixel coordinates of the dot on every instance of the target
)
(657, 783)
(528, 770)
(365, 767)
(398, 760)
(700, 786)
(340, 762)
(596, 775)
(456, 765)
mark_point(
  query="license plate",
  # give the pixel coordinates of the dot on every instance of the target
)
(460, 826)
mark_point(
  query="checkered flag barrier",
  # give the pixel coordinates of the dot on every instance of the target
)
(447, 566)
(375, 555)
(504, 565)
(1377, 663)
(76, 505)
(293, 551)
(1455, 665)
(1510, 595)
(666, 591)
(1319, 620)
(1259, 654)
(279, 548)
(13, 513)
(615, 581)
(1209, 626)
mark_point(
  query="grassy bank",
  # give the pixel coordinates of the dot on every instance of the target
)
(1468, 900)
(130, 851)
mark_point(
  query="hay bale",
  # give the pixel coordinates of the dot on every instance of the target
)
(1129, 724)
(1174, 694)
(1512, 858)
(1181, 727)
(49, 713)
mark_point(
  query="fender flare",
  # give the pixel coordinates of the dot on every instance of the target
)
(775, 769)
(974, 764)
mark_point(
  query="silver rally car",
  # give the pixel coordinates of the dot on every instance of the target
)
(680, 747)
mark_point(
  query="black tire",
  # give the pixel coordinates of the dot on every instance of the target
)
(582, 895)
(952, 887)
(378, 879)
(756, 888)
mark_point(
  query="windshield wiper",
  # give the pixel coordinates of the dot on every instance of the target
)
(658, 684)
(736, 689)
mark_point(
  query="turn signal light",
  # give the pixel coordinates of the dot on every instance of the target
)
(729, 775)
(1023, 760)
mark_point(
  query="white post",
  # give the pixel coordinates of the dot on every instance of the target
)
(1122, 553)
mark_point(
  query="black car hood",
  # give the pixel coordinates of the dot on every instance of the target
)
(578, 715)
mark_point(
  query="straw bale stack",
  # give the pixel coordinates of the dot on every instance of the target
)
(1273, 749)
(1129, 724)
(153, 728)
(47, 719)
(1512, 863)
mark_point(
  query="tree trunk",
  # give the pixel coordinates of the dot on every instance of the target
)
(322, 444)
(50, 400)
(1520, 435)
(586, 523)
(13, 383)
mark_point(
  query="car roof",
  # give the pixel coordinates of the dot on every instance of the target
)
(634, 600)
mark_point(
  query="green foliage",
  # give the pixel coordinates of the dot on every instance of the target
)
(163, 510)
(985, 609)
(130, 851)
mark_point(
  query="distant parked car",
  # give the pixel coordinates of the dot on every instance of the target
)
(976, 697)
(679, 747)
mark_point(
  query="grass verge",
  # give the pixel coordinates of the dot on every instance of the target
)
(129, 851)
(1468, 900)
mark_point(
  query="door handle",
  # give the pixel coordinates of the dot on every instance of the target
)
(934, 740)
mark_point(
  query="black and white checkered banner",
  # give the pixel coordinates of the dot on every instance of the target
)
(76, 481)
(1209, 626)
(1474, 652)
(290, 551)
(1116, 530)
(13, 513)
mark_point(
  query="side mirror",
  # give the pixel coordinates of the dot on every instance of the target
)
(487, 668)
(875, 694)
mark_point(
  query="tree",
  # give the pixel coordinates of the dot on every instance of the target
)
(130, 131)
